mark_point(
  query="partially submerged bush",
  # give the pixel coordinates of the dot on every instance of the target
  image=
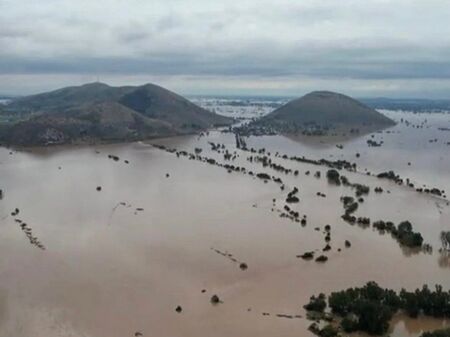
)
(333, 177)
(316, 303)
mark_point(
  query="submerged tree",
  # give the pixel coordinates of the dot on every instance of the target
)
(445, 239)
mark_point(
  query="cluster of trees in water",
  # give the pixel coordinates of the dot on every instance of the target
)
(370, 308)
(391, 175)
(403, 232)
(272, 127)
(335, 178)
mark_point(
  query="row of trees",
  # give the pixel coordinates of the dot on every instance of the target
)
(403, 233)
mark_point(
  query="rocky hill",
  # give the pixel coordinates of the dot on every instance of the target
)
(97, 112)
(327, 109)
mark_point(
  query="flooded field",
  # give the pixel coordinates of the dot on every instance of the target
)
(132, 232)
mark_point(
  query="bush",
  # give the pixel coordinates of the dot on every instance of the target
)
(333, 177)
(350, 324)
(361, 189)
(407, 237)
(374, 317)
(328, 331)
(316, 303)
(351, 208)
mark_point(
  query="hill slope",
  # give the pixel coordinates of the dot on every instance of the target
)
(97, 112)
(327, 109)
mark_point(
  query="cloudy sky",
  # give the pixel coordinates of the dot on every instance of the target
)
(397, 48)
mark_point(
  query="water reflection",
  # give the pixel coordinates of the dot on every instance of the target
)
(403, 325)
(444, 258)
(334, 138)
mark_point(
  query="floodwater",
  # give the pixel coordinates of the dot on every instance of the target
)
(120, 260)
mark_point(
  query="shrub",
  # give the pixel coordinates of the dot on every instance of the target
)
(333, 177)
(316, 303)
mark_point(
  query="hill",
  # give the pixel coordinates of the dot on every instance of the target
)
(327, 109)
(97, 112)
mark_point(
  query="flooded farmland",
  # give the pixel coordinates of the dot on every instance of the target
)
(137, 239)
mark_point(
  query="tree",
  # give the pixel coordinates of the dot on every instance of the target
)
(328, 331)
(445, 239)
(333, 176)
(316, 303)
(373, 317)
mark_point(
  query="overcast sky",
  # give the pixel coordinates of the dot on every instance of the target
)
(397, 48)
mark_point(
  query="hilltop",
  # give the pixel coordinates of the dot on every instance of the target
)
(327, 108)
(319, 113)
(97, 112)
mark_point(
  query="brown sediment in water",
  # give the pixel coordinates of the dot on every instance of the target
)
(143, 266)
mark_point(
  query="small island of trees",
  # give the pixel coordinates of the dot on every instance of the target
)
(370, 308)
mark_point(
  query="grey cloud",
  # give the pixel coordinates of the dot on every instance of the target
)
(369, 41)
(361, 63)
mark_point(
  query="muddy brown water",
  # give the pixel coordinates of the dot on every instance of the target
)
(112, 270)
